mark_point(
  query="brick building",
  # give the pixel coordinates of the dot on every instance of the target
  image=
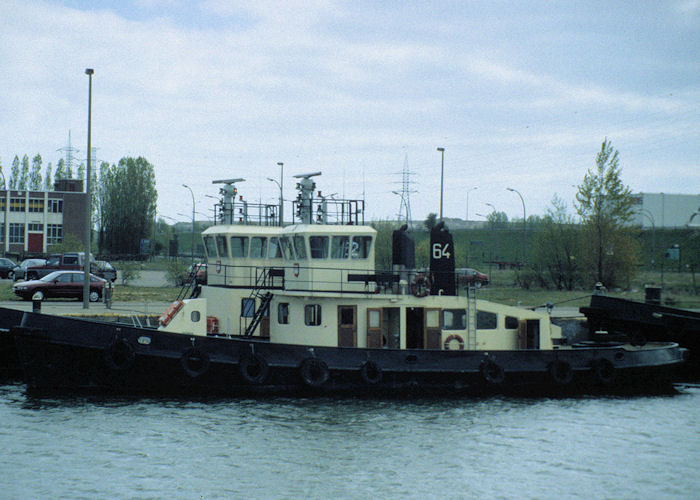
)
(38, 219)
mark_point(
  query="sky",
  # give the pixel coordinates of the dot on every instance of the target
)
(520, 95)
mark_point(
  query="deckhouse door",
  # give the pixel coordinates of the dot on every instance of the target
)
(347, 326)
(374, 327)
(432, 328)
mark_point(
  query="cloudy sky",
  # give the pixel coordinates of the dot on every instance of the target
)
(520, 94)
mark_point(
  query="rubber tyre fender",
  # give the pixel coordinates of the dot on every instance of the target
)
(561, 372)
(120, 355)
(253, 368)
(314, 372)
(195, 362)
(492, 372)
(371, 372)
(604, 371)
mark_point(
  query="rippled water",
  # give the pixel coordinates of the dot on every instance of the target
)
(88, 447)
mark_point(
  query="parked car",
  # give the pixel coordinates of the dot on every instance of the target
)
(20, 272)
(104, 270)
(59, 284)
(467, 275)
(6, 267)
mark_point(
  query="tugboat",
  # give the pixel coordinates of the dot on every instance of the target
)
(301, 309)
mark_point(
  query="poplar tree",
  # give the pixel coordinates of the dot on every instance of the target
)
(35, 174)
(48, 186)
(24, 174)
(14, 176)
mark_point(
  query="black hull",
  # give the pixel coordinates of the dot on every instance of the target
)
(639, 322)
(9, 362)
(79, 355)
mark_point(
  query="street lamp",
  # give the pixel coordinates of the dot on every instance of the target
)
(192, 248)
(524, 220)
(88, 205)
(442, 175)
(468, 191)
(279, 184)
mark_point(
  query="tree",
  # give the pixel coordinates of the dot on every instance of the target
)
(35, 174)
(14, 175)
(2, 178)
(430, 221)
(24, 174)
(555, 254)
(48, 186)
(60, 170)
(497, 220)
(128, 204)
(605, 204)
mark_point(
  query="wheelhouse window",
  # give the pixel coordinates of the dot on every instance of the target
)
(287, 248)
(361, 246)
(210, 246)
(340, 247)
(486, 320)
(283, 313)
(275, 251)
(319, 247)
(258, 247)
(221, 246)
(300, 246)
(312, 314)
(239, 246)
(454, 319)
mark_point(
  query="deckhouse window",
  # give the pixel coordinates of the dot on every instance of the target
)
(454, 319)
(210, 246)
(258, 248)
(283, 313)
(312, 314)
(221, 246)
(300, 247)
(275, 249)
(239, 246)
(247, 308)
(511, 323)
(486, 320)
(319, 247)
(340, 246)
(361, 246)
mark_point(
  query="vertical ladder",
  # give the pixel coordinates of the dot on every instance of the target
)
(471, 316)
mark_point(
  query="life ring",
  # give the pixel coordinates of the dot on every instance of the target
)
(371, 372)
(492, 372)
(420, 286)
(253, 368)
(170, 312)
(120, 355)
(314, 372)
(448, 342)
(195, 362)
(604, 371)
(561, 372)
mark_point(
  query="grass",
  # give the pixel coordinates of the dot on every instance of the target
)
(122, 293)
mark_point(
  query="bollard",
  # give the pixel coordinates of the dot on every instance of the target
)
(108, 290)
(36, 306)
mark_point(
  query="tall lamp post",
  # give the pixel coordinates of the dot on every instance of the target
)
(192, 248)
(279, 186)
(281, 164)
(5, 246)
(88, 205)
(524, 220)
(469, 191)
(442, 175)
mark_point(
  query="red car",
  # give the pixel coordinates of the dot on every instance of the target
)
(467, 275)
(60, 284)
